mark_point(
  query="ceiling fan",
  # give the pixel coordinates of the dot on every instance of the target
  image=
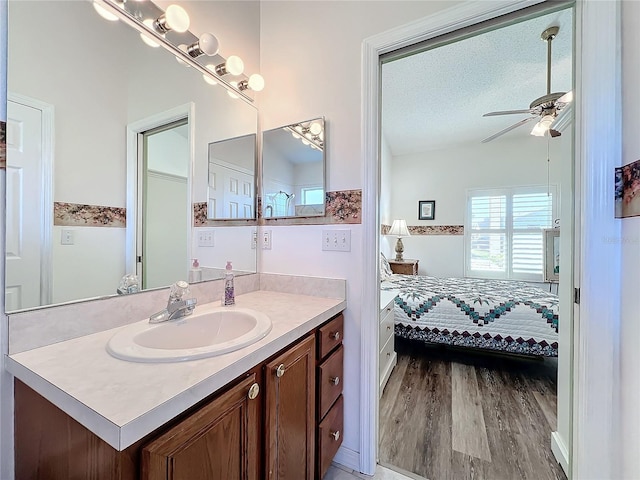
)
(544, 109)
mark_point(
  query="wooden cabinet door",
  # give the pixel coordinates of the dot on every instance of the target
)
(219, 441)
(290, 413)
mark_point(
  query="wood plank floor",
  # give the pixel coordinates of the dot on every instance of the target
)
(453, 415)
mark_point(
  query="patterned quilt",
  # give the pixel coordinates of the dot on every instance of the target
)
(492, 314)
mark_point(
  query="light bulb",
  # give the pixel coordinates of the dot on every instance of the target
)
(305, 141)
(256, 82)
(295, 135)
(146, 38)
(207, 78)
(315, 128)
(234, 65)
(542, 126)
(176, 18)
(209, 44)
(104, 13)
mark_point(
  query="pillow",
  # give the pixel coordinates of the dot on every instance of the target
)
(385, 268)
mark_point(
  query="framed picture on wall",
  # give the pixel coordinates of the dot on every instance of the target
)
(551, 249)
(426, 209)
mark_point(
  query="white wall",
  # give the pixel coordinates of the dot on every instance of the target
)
(446, 175)
(323, 79)
(630, 246)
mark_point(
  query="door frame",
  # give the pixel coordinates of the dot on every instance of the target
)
(593, 449)
(133, 151)
(46, 188)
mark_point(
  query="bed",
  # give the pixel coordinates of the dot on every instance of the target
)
(497, 315)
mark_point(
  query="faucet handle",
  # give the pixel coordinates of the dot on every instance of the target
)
(178, 291)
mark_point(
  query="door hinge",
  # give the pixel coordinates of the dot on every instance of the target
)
(576, 296)
(139, 259)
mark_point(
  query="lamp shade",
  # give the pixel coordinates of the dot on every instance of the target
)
(399, 229)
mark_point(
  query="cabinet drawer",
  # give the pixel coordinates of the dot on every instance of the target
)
(330, 436)
(330, 336)
(330, 381)
(386, 354)
(386, 325)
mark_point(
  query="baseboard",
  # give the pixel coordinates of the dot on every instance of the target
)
(347, 458)
(560, 451)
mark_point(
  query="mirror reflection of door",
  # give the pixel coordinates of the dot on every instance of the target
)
(29, 209)
(163, 198)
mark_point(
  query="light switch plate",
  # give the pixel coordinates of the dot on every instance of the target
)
(266, 240)
(67, 237)
(206, 238)
(336, 240)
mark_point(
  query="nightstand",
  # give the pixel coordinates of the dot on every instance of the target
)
(404, 267)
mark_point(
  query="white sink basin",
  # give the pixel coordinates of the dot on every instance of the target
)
(211, 330)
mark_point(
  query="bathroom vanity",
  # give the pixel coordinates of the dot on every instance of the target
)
(271, 410)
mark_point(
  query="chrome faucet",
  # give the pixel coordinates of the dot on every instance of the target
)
(177, 306)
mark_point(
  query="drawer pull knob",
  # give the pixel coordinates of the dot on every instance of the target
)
(254, 390)
(388, 309)
(388, 354)
(335, 335)
(335, 435)
(388, 327)
(334, 380)
(280, 370)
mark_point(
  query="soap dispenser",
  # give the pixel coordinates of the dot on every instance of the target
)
(229, 291)
(195, 275)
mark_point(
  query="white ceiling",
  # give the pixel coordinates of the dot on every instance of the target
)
(435, 99)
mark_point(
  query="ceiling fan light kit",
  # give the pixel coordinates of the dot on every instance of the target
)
(544, 109)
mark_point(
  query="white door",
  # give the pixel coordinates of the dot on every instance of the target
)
(231, 192)
(24, 206)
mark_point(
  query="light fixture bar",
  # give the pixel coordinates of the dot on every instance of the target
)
(130, 14)
(314, 139)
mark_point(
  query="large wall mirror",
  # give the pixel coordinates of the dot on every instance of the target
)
(293, 170)
(79, 215)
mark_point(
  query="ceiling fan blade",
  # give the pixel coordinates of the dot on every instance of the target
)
(508, 129)
(566, 98)
(508, 112)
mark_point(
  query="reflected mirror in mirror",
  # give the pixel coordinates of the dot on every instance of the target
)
(293, 163)
(232, 182)
(66, 154)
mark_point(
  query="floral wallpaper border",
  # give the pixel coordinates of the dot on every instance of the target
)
(81, 215)
(627, 190)
(429, 230)
(3, 145)
(341, 207)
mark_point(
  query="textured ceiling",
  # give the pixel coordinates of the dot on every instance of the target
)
(435, 99)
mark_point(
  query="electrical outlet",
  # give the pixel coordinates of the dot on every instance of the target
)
(206, 238)
(336, 240)
(266, 240)
(254, 240)
(67, 237)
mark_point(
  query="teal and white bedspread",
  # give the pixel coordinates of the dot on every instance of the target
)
(500, 315)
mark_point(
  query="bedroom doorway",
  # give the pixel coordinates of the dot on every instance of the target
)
(484, 385)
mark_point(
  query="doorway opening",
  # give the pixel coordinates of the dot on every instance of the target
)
(162, 193)
(159, 208)
(474, 388)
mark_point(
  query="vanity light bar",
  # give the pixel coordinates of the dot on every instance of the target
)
(309, 133)
(133, 13)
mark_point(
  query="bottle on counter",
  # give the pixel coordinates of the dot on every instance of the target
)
(195, 274)
(229, 290)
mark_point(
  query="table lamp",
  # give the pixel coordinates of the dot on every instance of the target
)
(399, 229)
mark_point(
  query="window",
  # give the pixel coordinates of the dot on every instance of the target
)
(503, 232)
(313, 196)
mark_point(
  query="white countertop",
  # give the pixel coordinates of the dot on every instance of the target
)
(123, 401)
